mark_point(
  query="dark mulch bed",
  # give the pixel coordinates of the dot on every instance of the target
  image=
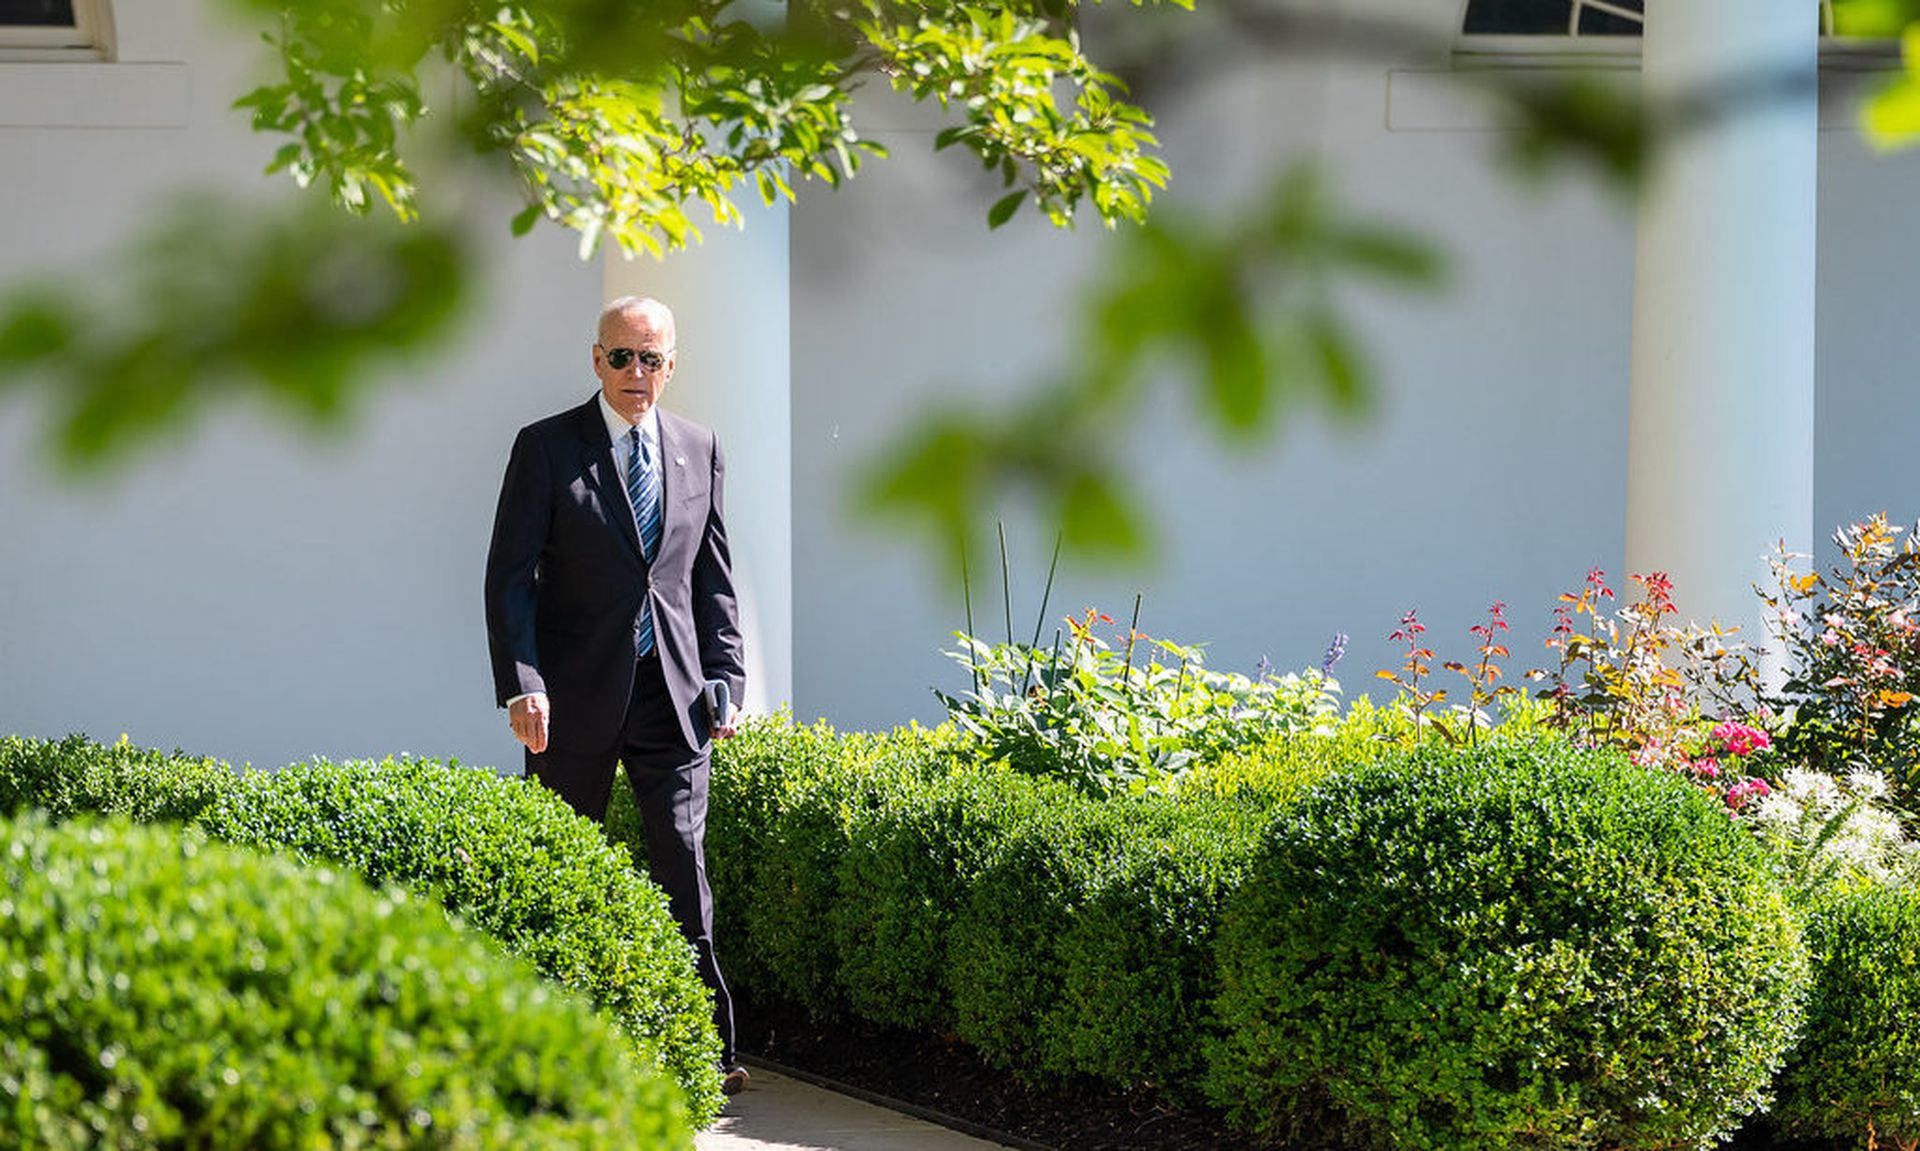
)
(947, 1076)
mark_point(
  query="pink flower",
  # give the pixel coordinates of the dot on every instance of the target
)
(1741, 740)
(1738, 795)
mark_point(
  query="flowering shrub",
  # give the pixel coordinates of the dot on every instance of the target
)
(1483, 675)
(1416, 703)
(1852, 636)
(1719, 758)
(1834, 831)
(1083, 711)
(1613, 686)
(1416, 667)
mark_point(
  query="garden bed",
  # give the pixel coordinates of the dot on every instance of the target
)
(946, 1076)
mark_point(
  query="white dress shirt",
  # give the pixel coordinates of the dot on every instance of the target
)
(617, 429)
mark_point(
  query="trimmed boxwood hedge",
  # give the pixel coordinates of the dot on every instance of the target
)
(505, 854)
(76, 776)
(1856, 1071)
(514, 861)
(782, 800)
(1136, 953)
(1521, 947)
(159, 991)
(912, 861)
(1526, 947)
(1059, 934)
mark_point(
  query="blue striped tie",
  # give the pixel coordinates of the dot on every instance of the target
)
(643, 489)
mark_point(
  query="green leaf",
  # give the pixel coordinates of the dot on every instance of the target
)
(1096, 517)
(1004, 208)
(1892, 114)
(35, 328)
(1347, 386)
(1389, 252)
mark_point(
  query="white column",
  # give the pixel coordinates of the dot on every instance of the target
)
(1720, 422)
(729, 297)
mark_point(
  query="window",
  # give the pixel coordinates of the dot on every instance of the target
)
(55, 29)
(1601, 27)
(1553, 17)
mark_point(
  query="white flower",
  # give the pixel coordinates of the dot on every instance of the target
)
(1867, 783)
(1779, 809)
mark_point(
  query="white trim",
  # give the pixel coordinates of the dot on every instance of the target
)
(89, 37)
(1445, 100)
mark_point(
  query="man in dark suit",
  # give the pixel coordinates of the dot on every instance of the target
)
(611, 616)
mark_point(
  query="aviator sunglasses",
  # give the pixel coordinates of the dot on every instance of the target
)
(619, 358)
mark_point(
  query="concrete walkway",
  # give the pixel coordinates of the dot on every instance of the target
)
(780, 1113)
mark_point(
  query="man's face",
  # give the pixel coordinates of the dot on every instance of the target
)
(635, 337)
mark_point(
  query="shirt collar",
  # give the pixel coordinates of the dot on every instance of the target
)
(618, 427)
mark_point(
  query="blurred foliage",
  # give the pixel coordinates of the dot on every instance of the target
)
(635, 123)
(1244, 305)
(1890, 117)
(294, 304)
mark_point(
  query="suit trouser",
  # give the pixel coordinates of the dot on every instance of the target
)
(669, 782)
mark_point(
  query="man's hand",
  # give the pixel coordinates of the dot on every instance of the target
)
(726, 730)
(528, 715)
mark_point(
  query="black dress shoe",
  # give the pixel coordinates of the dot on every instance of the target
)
(734, 1080)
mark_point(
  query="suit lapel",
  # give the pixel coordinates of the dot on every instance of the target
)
(672, 475)
(597, 453)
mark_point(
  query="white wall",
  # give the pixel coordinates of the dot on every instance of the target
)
(1493, 469)
(249, 591)
(254, 593)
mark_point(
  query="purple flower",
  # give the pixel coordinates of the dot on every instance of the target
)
(1335, 650)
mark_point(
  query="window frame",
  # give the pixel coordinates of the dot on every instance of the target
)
(89, 37)
(1571, 49)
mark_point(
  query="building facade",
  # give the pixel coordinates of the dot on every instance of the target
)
(1669, 379)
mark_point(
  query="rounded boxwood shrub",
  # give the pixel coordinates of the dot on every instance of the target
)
(773, 832)
(159, 991)
(1856, 1070)
(783, 801)
(904, 876)
(512, 860)
(1136, 951)
(1047, 845)
(1084, 946)
(77, 776)
(1522, 947)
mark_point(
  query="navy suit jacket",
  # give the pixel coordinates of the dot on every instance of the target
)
(566, 578)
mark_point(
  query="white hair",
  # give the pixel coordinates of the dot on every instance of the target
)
(659, 313)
